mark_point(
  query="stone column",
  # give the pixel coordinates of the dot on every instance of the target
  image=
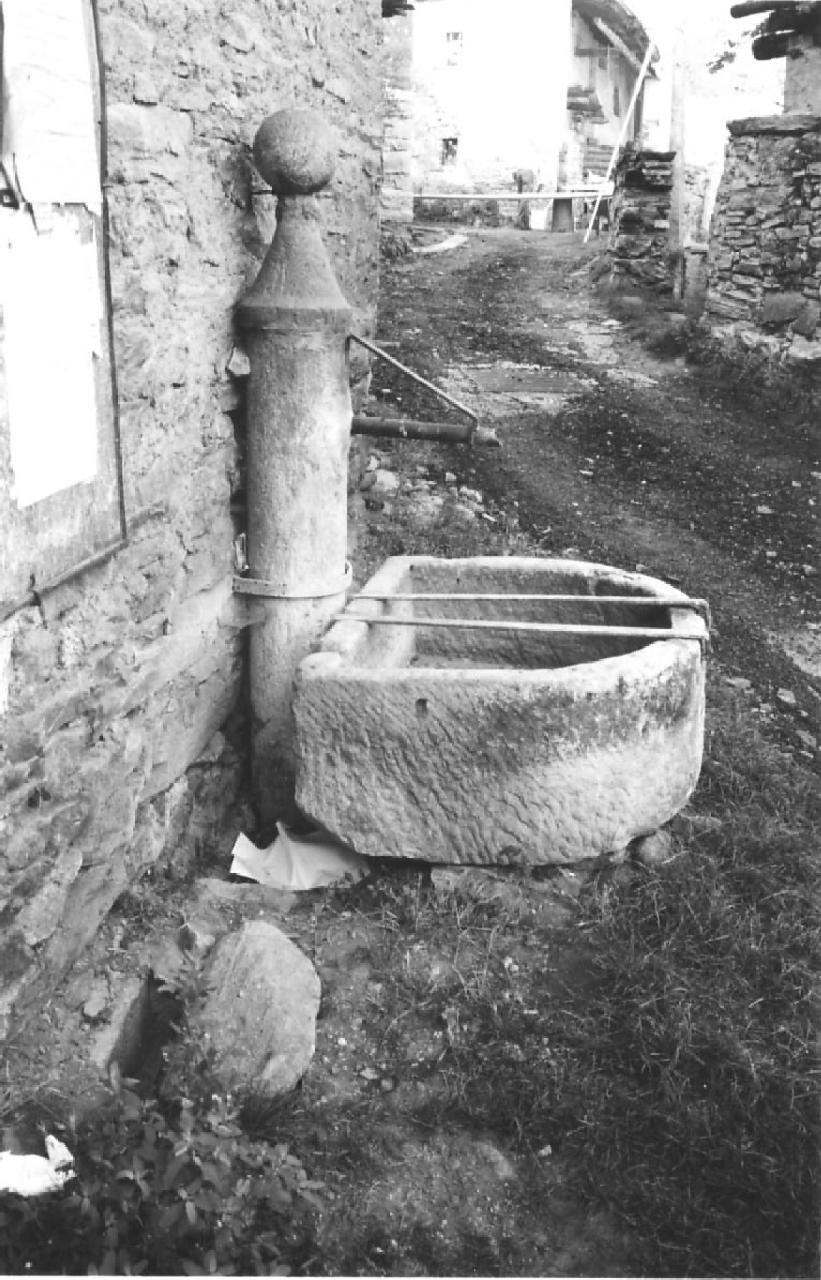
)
(802, 81)
(299, 420)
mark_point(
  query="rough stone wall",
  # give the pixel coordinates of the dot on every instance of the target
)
(765, 245)
(640, 219)
(397, 162)
(111, 701)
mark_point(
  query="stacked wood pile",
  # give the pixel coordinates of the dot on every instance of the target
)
(640, 218)
(582, 101)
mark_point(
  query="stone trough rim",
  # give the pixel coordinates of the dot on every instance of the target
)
(341, 642)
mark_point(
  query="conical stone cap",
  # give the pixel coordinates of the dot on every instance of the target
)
(294, 151)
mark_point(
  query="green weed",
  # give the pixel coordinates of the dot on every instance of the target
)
(169, 1186)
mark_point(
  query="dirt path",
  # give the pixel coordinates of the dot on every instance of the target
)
(630, 457)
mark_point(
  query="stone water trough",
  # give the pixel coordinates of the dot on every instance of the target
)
(501, 744)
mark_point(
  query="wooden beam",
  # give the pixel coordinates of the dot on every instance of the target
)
(617, 43)
(794, 15)
(765, 48)
(750, 7)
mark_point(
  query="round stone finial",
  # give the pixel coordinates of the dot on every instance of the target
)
(295, 152)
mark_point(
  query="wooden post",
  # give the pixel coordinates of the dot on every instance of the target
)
(677, 141)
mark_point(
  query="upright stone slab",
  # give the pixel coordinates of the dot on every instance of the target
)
(260, 1015)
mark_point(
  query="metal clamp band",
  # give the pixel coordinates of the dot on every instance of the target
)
(279, 591)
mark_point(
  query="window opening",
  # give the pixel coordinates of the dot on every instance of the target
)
(450, 148)
(454, 47)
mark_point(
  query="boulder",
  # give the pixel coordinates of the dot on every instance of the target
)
(781, 308)
(260, 1014)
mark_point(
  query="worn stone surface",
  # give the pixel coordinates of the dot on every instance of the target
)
(496, 751)
(260, 1014)
(802, 82)
(764, 266)
(105, 708)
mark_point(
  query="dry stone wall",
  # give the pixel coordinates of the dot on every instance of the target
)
(640, 219)
(113, 696)
(765, 244)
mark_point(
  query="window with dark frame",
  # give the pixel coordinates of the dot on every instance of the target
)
(450, 148)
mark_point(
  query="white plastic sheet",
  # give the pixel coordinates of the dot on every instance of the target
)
(27, 1175)
(297, 862)
(450, 242)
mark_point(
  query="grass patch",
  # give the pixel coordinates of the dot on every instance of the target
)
(654, 1057)
(679, 1081)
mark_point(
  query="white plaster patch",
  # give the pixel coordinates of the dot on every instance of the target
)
(5, 669)
(49, 131)
(49, 291)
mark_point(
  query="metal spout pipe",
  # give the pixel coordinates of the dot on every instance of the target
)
(469, 433)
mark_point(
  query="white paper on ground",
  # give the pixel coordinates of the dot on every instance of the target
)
(451, 242)
(36, 1175)
(297, 862)
(49, 293)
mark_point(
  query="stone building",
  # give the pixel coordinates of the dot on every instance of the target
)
(521, 86)
(121, 646)
(608, 46)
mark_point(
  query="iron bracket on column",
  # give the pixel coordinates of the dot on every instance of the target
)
(246, 586)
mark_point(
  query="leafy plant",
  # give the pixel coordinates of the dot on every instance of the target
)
(165, 1187)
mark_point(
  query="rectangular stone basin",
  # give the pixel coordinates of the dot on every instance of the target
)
(488, 746)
